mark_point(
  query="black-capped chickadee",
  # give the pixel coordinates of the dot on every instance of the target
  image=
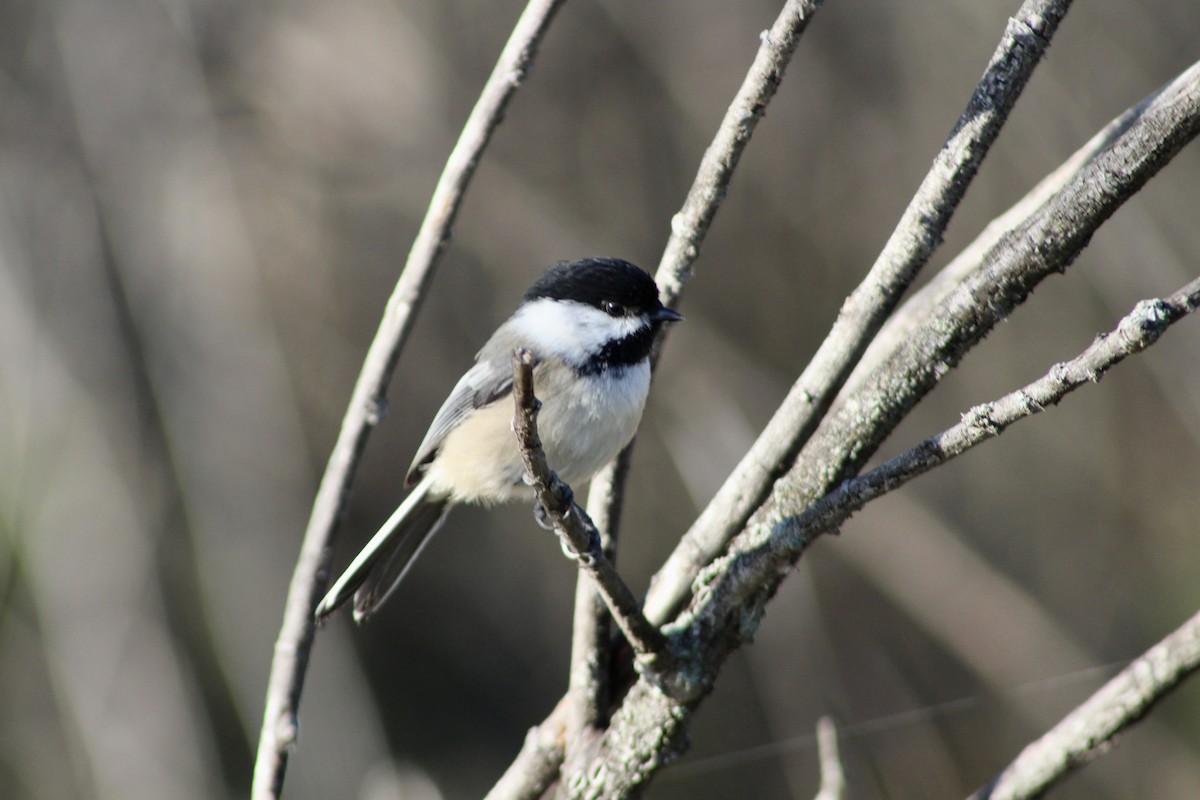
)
(590, 324)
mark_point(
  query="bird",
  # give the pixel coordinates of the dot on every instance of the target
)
(590, 325)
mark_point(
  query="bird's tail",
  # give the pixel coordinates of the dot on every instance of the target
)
(378, 569)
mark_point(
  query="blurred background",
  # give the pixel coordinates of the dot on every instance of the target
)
(203, 207)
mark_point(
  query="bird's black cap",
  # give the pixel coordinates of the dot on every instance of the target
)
(596, 282)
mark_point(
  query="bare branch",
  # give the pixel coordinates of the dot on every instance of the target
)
(589, 692)
(1046, 243)
(917, 308)
(1092, 728)
(833, 778)
(732, 593)
(537, 766)
(916, 236)
(290, 662)
(690, 224)
(574, 527)
(689, 227)
(1136, 331)
(790, 536)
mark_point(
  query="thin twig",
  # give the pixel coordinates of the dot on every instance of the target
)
(1136, 331)
(574, 527)
(690, 224)
(916, 236)
(833, 777)
(1092, 728)
(292, 648)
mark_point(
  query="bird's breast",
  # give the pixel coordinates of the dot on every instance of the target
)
(584, 422)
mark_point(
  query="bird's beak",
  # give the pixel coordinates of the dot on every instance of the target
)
(665, 314)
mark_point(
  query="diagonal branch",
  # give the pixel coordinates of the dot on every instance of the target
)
(1138, 330)
(1091, 728)
(292, 648)
(917, 235)
(576, 530)
(1046, 243)
(537, 766)
(731, 594)
(689, 226)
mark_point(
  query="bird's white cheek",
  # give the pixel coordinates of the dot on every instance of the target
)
(568, 330)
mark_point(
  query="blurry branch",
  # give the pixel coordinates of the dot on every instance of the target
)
(930, 562)
(731, 593)
(538, 764)
(689, 227)
(1091, 728)
(92, 522)
(577, 532)
(917, 235)
(833, 778)
(280, 719)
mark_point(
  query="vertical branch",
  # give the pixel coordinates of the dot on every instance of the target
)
(689, 226)
(833, 777)
(589, 692)
(576, 531)
(290, 662)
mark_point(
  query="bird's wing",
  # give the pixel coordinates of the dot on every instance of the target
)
(486, 382)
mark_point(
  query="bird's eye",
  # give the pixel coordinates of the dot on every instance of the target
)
(613, 309)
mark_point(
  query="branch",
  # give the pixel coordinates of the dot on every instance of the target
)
(731, 594)
(918, 307)
(292, 648)
(690, 224)
(1091, 728)
(916, 236)
(689, 227)
(833, 778)
(589, 689)
(1046, 243)
(574, 527)
(537, 766)
(1138, 330)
